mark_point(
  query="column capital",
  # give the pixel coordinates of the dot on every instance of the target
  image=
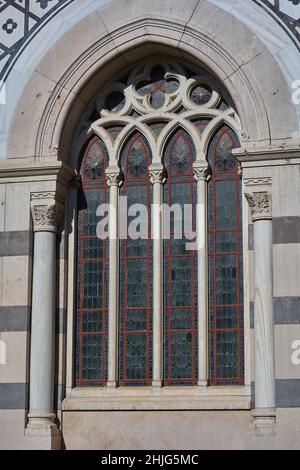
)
(114, 176)
(258, 192)
(47, 209)
(260, 205)
(157, 173)
(201, 171)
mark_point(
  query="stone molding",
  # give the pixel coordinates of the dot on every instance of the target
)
(39, 15)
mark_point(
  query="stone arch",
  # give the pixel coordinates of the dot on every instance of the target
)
(67, 76)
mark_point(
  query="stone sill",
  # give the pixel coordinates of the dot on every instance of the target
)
(166, 398)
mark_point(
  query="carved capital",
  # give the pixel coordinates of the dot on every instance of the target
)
(201, 171)
(114, 176)
(46, 210)
(260, 205)
(157, 174)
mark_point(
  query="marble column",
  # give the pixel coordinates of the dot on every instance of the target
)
(114, 181)
(157, 178)
(46, 213)
(260, 202)
(202, 176)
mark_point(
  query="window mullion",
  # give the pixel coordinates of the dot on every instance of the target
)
(157, 178)
(202, 176)
(113, 177)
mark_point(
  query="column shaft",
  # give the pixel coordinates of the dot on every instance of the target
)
(113, 181)
(260, 202)
(202, 283)
(46, 212)
(263, 315)
(43, 323)
(157, 287)
(202, 175)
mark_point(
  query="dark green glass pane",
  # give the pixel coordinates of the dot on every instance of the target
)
(226, 242)
(136, 356)
(91, 357)
(136, 320)
(181, 281)
(92, 285)
(225, 205)
(225, 317)
(181, 318)
(93, 248)
(92, 322)
(181, 355)
(136, 282)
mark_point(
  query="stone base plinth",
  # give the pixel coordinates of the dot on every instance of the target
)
(41, 432)
(263, 422)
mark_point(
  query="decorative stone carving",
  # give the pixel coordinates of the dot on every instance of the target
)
(260, 205)
(157, 175)
(258, 181)
(201, 171)
(46, 211)
(114, 176)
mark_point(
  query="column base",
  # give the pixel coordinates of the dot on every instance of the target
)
(111, 384)
(202, 383)
(156, 384)
(42, 433)
(263, 422)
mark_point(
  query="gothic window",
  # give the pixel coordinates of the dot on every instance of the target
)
(92, 271)
(165, 132)
(225, 261)
(180, 276)
(135, 269)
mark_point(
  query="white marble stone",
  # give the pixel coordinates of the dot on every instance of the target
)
(263, 315)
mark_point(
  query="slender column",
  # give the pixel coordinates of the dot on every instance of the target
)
(46, 213)
(260, 203)
(202, 176)
(157, 178)
(114, 181)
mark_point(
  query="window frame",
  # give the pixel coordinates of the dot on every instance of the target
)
(148, 397)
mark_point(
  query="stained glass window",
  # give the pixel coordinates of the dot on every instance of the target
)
(180, 277)
(225, 262)
(135, 268)
(155, 95)
(92, 272)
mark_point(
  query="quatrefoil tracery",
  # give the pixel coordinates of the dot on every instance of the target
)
(161, 91)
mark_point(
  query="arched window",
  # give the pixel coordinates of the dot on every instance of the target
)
(92, 271)
(180, 276)
(225, 261)
(165, 133)
(135, 266)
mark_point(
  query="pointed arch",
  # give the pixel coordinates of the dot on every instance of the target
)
(135, 331)
(180, 262)
(127, 132)
(216, 123)
(225, 253)
(173, 126)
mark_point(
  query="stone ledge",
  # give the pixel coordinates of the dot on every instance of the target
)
(211, 398)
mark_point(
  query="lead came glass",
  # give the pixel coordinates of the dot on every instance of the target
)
(135, 270)
(92, 272)
(225, 262)
(180, 277)
(158, 92)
